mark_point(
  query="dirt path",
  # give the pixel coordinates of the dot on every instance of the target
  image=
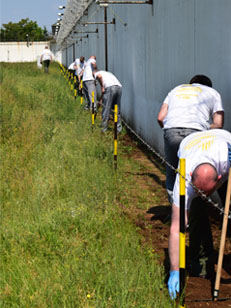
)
(154, 224)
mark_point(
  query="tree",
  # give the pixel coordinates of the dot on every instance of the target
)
(22, 31)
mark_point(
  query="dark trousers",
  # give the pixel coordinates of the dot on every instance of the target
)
(46, 64)
(201, 251)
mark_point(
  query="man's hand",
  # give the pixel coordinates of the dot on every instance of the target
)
(162, 114)
(173, 283)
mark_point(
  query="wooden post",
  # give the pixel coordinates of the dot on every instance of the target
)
(223, 233)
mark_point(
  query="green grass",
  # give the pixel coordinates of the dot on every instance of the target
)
(64, 239)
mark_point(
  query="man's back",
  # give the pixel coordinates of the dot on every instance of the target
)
(46, 54)
(191, 106)
(88, 69)
(108, 79)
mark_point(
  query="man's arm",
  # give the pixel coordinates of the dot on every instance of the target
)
(162, 114)
(173, 249)
(218, 120)
(100, 78)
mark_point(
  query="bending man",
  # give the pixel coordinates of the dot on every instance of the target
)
(111, 90)
(207, 167)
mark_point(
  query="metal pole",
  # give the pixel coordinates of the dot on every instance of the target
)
(105, 34)
(66, 57)
(73, 51)
(182, 233)
(126, 2)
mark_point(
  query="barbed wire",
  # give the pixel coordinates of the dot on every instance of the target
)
(163, 160)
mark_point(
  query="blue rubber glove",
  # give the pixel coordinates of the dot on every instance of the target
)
(173, 283)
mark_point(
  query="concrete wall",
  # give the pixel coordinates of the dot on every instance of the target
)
(20, 52)
(162, 46)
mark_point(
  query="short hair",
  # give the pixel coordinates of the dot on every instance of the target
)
(82, 59)
(202, 79)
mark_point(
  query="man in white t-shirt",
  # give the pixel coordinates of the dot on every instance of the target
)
(188, 108)
(79, 67)
(207, 166)
(111, 90)
(46, 58)
(71, 69)
(89, 81)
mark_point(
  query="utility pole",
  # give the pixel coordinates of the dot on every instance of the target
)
(105, 34)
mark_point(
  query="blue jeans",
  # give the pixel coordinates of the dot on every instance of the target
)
(172, 140)
(88, 88)
(111, 97)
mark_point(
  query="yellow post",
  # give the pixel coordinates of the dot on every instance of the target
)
(81, 87)
(182, 246)
(75, 85)
(69, 78)
(93, 108)
(115, 135)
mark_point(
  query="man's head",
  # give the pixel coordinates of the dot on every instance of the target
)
(81, 59)
(202, 79)
(205, 178)
(46, 47)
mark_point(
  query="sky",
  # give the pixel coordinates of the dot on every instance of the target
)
(44, 12)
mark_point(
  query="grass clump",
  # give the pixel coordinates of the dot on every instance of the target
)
(64, 239)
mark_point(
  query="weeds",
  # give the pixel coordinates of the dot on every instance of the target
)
(64, 240)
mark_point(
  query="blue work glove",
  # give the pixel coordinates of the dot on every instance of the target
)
(173, 283)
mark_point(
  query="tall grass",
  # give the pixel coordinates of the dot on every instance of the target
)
(64, 239)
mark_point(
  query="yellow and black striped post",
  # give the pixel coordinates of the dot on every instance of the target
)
(75, 87)
(81, 87)
(72, 87)
(115, 135)
(182, 248)
(93, 109)
(65, 73)
(69, 78)
(60, 66)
